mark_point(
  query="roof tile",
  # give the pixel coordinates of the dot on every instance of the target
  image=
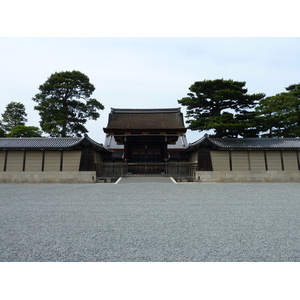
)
(134, 119)
(46, 143)
(248, 143)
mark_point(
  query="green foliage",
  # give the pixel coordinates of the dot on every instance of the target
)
(64, 104)
(24, 131)
(280, 115)
(14, 115)
(294, 90)
(221, 105)
(2, 131)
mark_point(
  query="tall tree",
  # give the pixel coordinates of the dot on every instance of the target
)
(65, 104)
(294, 89)
(14, 115)
(279, 115)
(219, 105)
(249, 124)
(24, 131)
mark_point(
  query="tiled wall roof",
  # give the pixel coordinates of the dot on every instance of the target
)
(46, 143)
(248, 143)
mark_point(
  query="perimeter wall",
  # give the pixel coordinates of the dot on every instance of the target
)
(23, 161)
(252, 166)
(43, 167)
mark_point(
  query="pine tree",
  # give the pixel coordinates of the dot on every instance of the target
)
(221, 105)
(65, 104)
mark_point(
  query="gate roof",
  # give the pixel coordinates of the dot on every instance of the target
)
(158, 120)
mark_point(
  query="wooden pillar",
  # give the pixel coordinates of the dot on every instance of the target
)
(24, 161)
(5, 161)
(230, 160)
(282, 163)
(61, 160)
(43, 161)
(126, 149)
(165, 151)
(266, 160)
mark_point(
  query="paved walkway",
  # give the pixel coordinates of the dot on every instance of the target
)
(146, 179)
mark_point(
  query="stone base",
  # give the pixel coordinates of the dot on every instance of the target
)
(48, 177)
(247, 176)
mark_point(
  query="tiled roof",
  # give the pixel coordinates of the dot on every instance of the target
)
(257, 143)
(139, 119)
(46, 143)
(248, 143)
(33, 143)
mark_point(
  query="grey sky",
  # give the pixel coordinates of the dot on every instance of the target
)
(144, 72)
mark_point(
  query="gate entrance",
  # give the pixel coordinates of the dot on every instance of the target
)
(141, 149)
(179, 171)
(146, 169)
(142, 137)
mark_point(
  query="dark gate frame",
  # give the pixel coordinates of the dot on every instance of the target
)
(178, 171)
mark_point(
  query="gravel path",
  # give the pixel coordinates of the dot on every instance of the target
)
(153, 221)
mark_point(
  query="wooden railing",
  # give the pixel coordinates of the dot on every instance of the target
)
(176, 170)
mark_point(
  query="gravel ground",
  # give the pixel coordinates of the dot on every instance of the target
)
(150, 221)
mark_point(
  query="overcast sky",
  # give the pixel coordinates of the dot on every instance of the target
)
(146, 54)
(144, 72)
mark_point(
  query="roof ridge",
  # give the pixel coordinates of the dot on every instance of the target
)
(42, 137)
(145, 110)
